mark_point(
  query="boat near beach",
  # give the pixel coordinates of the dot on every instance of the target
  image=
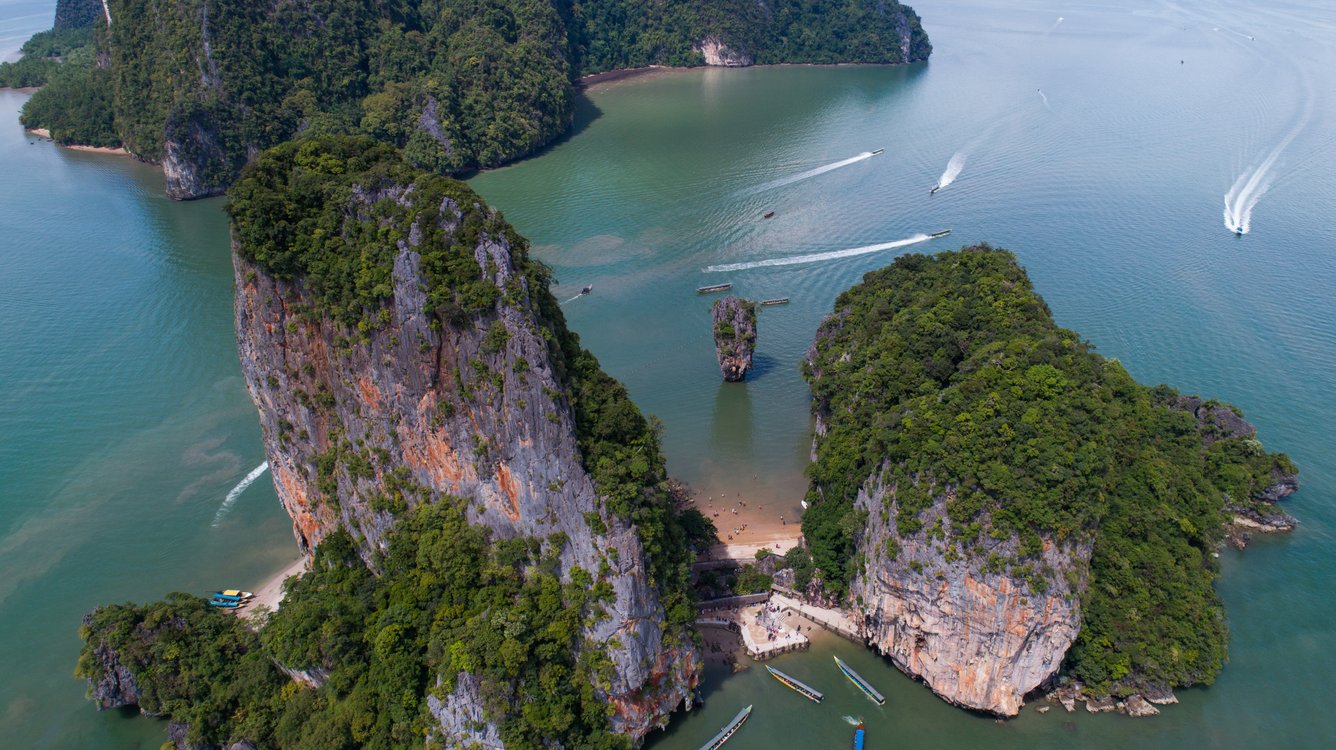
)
(798, 686)
(714, 288)
(861, 683)
(729, 730)
(942, 233)
(217, 601)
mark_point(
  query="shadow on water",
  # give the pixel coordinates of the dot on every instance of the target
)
(762, 365)
(732, 433)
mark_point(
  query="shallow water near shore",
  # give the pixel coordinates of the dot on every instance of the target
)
(125, 424)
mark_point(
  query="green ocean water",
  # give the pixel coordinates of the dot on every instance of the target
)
(1087, 147)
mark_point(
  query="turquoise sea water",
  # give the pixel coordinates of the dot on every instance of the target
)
(1088, 148)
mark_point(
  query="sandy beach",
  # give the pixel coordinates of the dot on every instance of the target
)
(270, 593)
(44, 133)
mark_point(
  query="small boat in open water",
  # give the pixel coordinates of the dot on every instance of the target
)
(776, 301)
(769, 215)
(796, 685)
(729, 730)
(588, 288)
(942, 233)
(861, 683)
(859, 735)
(879, 151)
(934, 190)
(713, 289)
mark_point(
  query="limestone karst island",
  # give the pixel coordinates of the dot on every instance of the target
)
(541, 374)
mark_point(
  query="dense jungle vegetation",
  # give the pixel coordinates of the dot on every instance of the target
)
(946, 377)
(446, 602)
(457, 84)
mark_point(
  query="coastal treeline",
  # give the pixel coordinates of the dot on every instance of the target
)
(946, 377)
(380, 638)
(457, 84)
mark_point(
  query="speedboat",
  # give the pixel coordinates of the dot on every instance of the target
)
(878, 151)
(934, 190)
(587, 289)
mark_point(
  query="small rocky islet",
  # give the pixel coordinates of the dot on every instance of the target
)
(734, 325)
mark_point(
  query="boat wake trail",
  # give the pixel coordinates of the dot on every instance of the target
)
(851, 721)
(1250, 186)
(1045, 98)
(235, 493)
(1055, 26)
(818, 257)
(953, 168)
(572, 299)
(781, 182)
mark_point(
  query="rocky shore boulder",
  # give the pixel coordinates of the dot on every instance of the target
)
(734, 336)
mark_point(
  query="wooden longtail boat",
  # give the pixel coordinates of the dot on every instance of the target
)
(715, 288)
(797, 685)
(862, 684)
(729, 730)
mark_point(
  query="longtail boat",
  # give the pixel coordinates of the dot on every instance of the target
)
(859, 734)
(714, 288)
(862, 684)
(805, 691)
(776, 301)
(729, 730)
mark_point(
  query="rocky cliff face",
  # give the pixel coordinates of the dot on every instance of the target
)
(717, 53)
(734, 336)
(978, 636)
(361, 424)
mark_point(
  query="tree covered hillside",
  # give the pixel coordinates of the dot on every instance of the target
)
(946, 376)
(458, 84)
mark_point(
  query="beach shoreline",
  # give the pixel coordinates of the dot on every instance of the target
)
(269, 595)
(44, 133)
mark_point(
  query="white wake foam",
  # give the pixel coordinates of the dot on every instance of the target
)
(235, 493)
(1250, 186)
(818, 257)
(952, 171)
(781, 182)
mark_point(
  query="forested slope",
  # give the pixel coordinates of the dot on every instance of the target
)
(199, 85)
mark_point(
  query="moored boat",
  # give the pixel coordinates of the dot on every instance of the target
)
(729, 730)
(942, 233)
(225, 603)
(796, 685)
(776, 301)
(859, 735)
(714, 288)
(236, 593)
(861, 683)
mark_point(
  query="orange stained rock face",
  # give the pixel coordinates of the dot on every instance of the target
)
(305, 519)
(510, 486)
(431, 453)
(370, 393)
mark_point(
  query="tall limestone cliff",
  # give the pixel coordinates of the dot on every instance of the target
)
(403, 349)
(999, 503)
(734, 336)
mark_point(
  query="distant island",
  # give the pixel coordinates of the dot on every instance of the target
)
(200, 87)
(1006, 509)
